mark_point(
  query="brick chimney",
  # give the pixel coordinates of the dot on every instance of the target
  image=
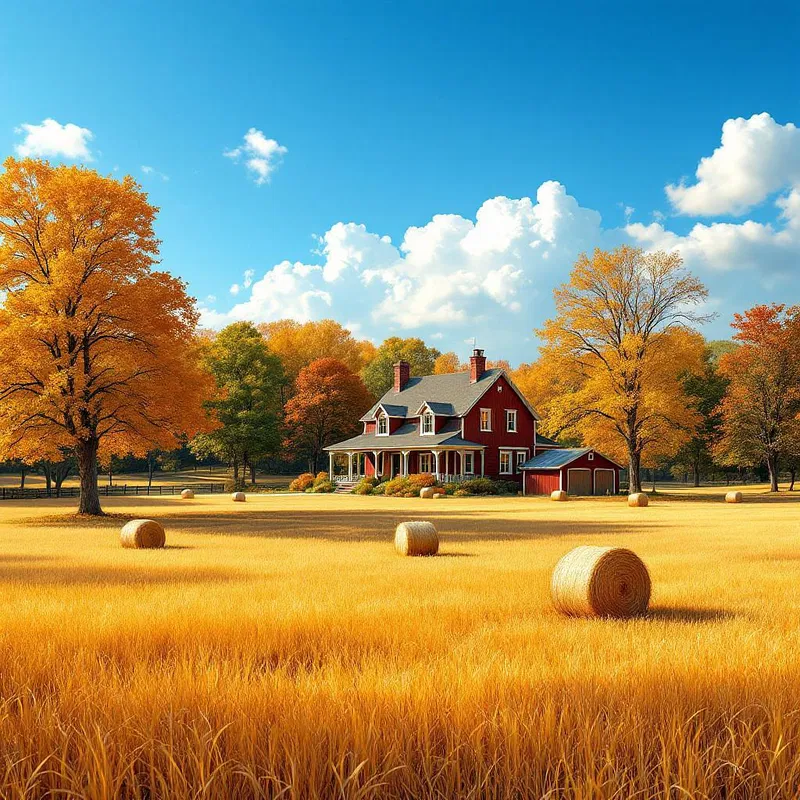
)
(477, 365)
(402, 372)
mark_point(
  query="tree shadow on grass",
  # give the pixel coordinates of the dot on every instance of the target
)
(378, 526)
(689, 614)
(97, 575)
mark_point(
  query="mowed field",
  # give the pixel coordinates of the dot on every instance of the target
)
(280, 648)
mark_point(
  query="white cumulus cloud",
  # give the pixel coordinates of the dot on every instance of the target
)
(50, 139)
(260, 154)
(756, 158)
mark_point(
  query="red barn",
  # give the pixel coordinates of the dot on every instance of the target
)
(455, 426)
(576, 470)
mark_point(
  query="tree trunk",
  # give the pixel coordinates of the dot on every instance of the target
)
(696, 470)
(253, 474)
(792, 472)
(772, 466)
(60, 477)
(236, 472)
(22, 473)
(86, 454)
(150, 467)
(653, 476)
(634, 469)
(48, 477)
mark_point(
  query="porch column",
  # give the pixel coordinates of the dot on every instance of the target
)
(330, 465)
(376, 454)
(461, 453)
(405, 462)
(349, 466)
(483, 460)
(436, 457)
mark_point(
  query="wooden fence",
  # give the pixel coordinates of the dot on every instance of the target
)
(110, 491)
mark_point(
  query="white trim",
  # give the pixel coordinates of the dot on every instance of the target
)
(590, 457)
(464, 454)
(503, 374)
(510, 453)
(432, 431)
(514, 412)
(480, 420)
(429, 458)
(386, 417)
(517, 462)
(582, 469)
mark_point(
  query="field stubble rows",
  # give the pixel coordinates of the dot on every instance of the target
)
(280, 647)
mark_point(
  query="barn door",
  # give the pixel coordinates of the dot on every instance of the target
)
(604, 481)
(579, 481)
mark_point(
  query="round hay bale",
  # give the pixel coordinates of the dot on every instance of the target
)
(638, 500)
(187, 494)
(416, 539)
(426, 493)
(143, 534)
(558, 495)
(439, 495)
(733, 497)
(239, 497)
(592, 581)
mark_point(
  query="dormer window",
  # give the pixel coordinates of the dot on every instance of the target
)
(427, 423)
(383, 425)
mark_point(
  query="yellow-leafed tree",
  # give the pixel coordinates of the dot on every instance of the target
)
(615, 354)
(99, 354)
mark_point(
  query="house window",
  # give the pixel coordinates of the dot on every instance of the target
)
(511, 420)
(522, 457)
(469, 464)
(486, 419)
(425, 462)
(591, 456)
(505, 463)
(383, 425)
(427, 423)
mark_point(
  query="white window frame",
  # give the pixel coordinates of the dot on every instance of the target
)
(489, 420)
(428, 461)
(428, 415)
(511, 415)
(591, 456)
(510, 454)
(469, 454)
(381, 418)
(522, 457)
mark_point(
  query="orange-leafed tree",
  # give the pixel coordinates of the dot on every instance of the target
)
(298, 344)
(328, 402)
(99, 352)
(447, 363)
(618, 349)
(760, 409)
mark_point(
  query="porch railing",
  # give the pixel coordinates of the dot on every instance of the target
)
(442, 477)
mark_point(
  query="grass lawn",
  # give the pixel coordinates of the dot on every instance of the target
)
(280, 647)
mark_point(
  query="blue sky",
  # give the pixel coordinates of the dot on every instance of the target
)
(426, 169)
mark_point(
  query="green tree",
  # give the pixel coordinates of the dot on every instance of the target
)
(248, 401)
(707, 388)
(378, 375)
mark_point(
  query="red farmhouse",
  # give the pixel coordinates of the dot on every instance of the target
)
(457, 426)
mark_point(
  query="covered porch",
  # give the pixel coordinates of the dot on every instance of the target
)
(446, 464)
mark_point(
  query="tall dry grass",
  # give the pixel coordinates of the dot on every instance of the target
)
(282, 649)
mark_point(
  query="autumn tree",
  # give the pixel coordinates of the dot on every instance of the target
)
(248, 401)
(99, 354)
(298, 344)
(622, 342)
(760, 408)
(378, 375)
(328, 402)
(447, 363)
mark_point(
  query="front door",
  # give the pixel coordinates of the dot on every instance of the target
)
(397, 464)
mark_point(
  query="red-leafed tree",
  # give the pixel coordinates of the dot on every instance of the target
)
(329, 399)
(760, 409)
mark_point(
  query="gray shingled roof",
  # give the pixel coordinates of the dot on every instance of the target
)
(452, 390)
(408, 436)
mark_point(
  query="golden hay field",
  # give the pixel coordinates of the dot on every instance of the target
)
(280, 648)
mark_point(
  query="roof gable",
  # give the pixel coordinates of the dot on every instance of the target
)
(453, 393)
